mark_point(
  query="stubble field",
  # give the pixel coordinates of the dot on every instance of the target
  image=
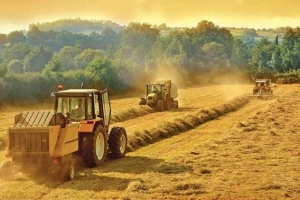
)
(219, 144)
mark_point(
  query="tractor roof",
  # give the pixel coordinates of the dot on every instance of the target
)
(76, 92)
(161, 82)
(261, 80)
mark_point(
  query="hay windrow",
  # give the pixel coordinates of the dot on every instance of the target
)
(131, 113)
(187, 122)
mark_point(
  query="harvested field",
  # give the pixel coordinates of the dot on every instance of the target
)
(219, 144)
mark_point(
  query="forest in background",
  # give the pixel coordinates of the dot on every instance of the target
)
(103, 54)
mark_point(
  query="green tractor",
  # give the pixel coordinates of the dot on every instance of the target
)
(161, 95)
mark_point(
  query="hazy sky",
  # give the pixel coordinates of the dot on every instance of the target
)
(18, 14)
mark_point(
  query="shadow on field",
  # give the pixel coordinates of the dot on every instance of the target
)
(115, 174)
(139, 165)
(112, 175)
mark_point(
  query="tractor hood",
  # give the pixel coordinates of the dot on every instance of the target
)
(151, 98)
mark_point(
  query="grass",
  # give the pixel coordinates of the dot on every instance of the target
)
(246, 149)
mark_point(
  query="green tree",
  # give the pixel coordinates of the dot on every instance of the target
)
(262, 53)
(36, 60)
(289, 39)
(16, 37)
(251, 32)
(35, 36)
(53, 68)
(85, 57)
(17, 51)
(276, 61)
(206, 32)
(103, 72)
(111, 40)
(66, 55)
(295, 56)
(137, 39)
(290, 48)
(3, 39)
(240, 53)
(3, 70)
(16, 66)
(214, 54)
(177, 51)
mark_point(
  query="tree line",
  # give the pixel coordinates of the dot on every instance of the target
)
(35, 62)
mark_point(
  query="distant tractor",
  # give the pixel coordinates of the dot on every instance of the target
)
(263, 87)
(161, 95)
(49, 140)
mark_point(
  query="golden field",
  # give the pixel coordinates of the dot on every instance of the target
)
(219, 144)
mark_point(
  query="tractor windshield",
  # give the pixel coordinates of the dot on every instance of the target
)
(75, 106)
(156, 88)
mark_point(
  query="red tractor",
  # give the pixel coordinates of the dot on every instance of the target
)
(79, 124)
(263, 87)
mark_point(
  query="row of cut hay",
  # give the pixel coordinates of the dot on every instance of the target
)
(189, 121)
(130, 113)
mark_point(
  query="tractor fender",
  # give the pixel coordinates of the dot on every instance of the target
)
(88, 126)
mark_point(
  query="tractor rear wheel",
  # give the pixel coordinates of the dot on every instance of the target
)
(160, 105)
(168, 103)
(118, 142)
(6, 170)
(94, 147)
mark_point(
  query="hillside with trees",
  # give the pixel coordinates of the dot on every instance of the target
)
(103, 54)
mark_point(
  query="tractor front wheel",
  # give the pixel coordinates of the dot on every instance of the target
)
(143, 101)
(118, 142)
(94, 147)
(160, 105)
(68, 171)
(6, 173)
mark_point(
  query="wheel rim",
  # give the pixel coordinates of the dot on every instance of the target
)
(123, 143)
(100, 146)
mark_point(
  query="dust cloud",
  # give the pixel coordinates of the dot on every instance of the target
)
(183, 78)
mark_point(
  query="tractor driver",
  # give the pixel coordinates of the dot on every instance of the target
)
(154, 89)
(79, 110)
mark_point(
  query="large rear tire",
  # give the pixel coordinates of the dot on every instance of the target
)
(168, 103)
(94, 147)
(118, 142)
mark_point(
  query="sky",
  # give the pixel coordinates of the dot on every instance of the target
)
(19, 14)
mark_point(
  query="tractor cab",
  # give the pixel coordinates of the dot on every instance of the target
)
(83, 104)
(263, 87)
